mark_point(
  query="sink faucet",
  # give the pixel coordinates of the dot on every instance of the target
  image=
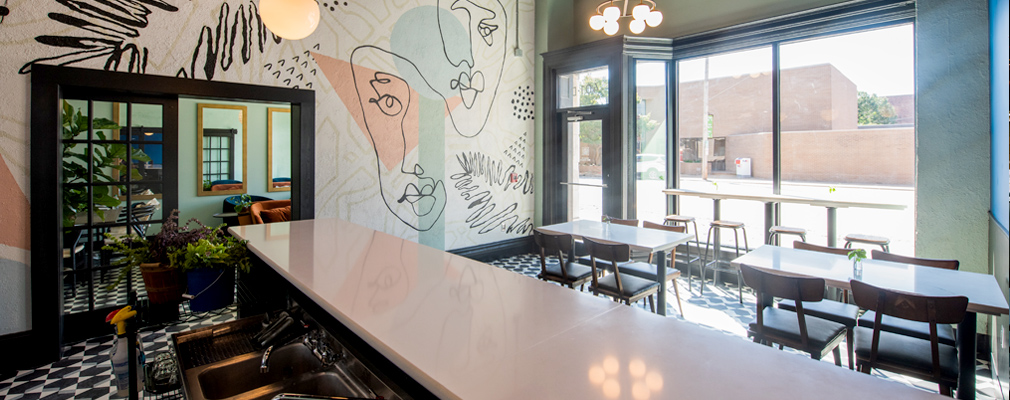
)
(264, 368)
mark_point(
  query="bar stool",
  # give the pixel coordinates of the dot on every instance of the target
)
(881, 241)
(686, 258)
(786, 230)
(736, 227)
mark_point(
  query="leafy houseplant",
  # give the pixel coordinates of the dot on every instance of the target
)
(106, 157)
(857, 256)
(244, 201)
(210, 265)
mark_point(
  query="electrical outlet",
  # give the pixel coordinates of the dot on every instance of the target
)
(518, 52)
(514, 177)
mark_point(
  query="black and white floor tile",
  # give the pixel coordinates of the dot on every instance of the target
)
(77, 300)
(720, 309)
(85, 371)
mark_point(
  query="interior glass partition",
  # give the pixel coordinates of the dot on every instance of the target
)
(724, 104)
(848, 132)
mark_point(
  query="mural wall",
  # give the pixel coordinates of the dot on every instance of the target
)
(422, 123)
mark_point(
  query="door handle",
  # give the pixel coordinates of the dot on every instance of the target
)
(584, 184)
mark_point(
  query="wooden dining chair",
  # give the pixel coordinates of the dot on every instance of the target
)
(564, 272)
(648, 270)
(945, 332)
(794, 329)
(926, 359)
(619, 285)
(626, 222)
(836, 311)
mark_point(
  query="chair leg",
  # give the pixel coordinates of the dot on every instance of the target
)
(739, 277)
(849, 345)
(652, 304)
(704, 260)
(676, 292)
(945, 390)
(837, 354)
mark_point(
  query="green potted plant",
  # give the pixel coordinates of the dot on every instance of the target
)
(162, 278)
(210, 264)
(857, 256)
(106, 158)
(242, 209)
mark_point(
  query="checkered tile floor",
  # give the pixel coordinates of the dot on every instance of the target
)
(78, 302)
(85, 371)
(719, 308)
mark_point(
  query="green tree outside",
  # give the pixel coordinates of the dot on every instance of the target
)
(593, 91)
(875, 110)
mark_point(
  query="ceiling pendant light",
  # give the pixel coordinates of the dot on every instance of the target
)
(608, 15)
(290, 19)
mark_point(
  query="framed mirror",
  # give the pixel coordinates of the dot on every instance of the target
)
(221, 149)
(278, 149)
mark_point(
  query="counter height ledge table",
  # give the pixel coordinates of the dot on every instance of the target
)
(771, 199)
(643, 239)
(983, 292)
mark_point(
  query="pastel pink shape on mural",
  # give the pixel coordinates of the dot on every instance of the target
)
(14, 217)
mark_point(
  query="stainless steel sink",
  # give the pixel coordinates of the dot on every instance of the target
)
(237, 375)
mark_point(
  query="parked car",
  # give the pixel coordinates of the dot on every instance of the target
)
(651, 166)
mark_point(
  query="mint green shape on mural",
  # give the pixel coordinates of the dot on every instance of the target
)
(425, 64)
(431, 156)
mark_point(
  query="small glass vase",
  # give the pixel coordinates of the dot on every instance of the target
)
(857, 269)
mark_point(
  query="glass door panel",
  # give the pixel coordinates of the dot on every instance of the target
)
(725, 128)
(848, 132)
(583, 179)
(651, 160)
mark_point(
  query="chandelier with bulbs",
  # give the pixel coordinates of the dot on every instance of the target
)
(607, 15)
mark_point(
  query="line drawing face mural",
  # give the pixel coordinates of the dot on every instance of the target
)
(386, 100)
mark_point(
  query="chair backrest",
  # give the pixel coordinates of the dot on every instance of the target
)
(653, 225)
(71, 237)
(798, 288)
(927, 262)
(554, 244)
(823, 249)
(910, 306)
(613, 252)
(628, 222)
(259, 206)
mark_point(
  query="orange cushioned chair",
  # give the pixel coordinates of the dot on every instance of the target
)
(259, 207)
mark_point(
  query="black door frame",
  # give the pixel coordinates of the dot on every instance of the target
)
(42, 344)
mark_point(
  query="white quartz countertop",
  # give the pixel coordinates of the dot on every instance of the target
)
(468, 330)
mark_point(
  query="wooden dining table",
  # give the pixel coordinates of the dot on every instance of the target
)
(642, 239)
(982, 290)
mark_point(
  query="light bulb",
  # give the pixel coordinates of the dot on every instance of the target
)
(612, 13)
(641, 11)
(654, 18)
(637, 26)
(596, 22)
(290, 19)
(610, 28)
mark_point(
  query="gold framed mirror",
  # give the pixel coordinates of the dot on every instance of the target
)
(278, 149)
(222, 139)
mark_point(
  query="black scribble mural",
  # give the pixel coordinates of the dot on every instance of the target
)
(517, 151)
(293, 72)
(522, 103)
(4, 12)
(482, 174)
(241, 32)
(104, 27)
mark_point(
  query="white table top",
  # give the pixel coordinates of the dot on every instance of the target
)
(773, 198)
(983, 292)
(467, 330)
(651, 240)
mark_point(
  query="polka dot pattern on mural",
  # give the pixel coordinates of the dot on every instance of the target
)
(295, 72)
(334, 5)
(522, 103)
(517, 151)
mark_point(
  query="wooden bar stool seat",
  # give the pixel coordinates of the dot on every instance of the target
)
(786, 230)
(881, 241)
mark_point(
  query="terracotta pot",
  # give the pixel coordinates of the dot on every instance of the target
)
(163, 283)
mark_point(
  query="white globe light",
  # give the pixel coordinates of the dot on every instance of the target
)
(611, 28)
(637, 26)
(596, 22)
(611, 13)
(654, 18)
(640, 11)
(290, 19)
